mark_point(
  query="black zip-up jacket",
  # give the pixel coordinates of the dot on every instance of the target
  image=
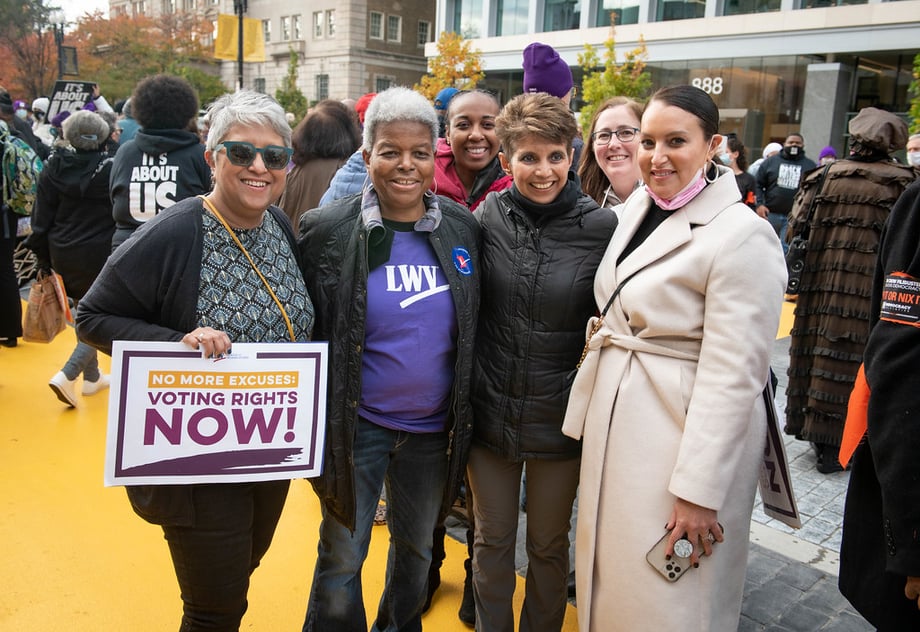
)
(334, 248)
(537, 297)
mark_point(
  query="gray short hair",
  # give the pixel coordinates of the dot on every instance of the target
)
(398, 104)
(246, 108)
(85, 129)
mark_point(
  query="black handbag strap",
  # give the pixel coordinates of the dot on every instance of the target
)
(806, 227)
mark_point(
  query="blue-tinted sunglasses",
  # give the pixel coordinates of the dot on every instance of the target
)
(242, 154)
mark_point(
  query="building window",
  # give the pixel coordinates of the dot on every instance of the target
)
(468, 18)
(322, 87)
(382, 83)
(258, 84)
(267, 30)
(562, 15)
(511, 18)
(375, 27)
(296, 30)
(616, 12)
(285, 28)
(424, 32)
(317, 25)
(190, 6)
(169, 7)
(138, 8)
(740, 7)
(394, 28)
(330, 23)
(679, 9)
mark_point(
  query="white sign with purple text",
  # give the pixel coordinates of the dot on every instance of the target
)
(175, 417)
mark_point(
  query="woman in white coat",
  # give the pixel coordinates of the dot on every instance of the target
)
(668, 399)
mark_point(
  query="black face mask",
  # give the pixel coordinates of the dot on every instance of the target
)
(792, 152)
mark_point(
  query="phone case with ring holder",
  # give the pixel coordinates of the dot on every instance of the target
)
(674, 568)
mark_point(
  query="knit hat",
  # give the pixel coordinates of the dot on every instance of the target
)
(442, 100)
(6, 103)
(771, 148)
(86, 130)
(59, 118)
(827, 152)
(41, 105)
(545, 71)
(362, 103)
(878, 130)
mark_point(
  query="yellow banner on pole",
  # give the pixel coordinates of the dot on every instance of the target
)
(226, 43)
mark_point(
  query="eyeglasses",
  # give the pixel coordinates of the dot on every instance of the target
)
(625, 135)
(243, 154)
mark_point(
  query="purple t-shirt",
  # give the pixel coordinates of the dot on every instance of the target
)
(410, 339)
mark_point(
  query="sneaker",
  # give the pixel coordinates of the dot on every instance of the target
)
(63, 388)
(91, 388)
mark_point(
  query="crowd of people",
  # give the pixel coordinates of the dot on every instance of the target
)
(598, 321)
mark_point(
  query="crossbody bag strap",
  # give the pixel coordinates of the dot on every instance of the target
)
(220, 218)
(596, 327)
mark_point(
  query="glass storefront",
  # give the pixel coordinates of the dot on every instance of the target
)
(760, 98)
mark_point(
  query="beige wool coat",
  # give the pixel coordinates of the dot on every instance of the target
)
(668, 402)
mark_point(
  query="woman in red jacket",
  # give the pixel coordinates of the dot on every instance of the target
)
(466, 163)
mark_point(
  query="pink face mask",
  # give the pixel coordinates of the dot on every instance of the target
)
(697, 184)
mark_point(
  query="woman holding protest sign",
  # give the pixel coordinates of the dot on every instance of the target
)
(181, 277)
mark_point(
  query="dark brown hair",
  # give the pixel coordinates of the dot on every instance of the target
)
(329, 130)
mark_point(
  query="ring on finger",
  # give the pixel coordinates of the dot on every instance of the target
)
(200, 337)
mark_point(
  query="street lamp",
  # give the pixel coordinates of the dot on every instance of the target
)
(57, 20)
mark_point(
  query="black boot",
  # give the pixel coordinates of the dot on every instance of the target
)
(827, 461)
(467, 612)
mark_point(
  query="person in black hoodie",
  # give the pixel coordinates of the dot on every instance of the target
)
(778, 180)
(72, 228)
(164, 163)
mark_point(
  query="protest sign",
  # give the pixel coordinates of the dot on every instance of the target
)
(69, 96)
(176, 417)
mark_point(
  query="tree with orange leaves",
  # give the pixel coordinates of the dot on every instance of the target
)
(456, 65)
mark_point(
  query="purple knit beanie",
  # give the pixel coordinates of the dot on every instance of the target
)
(545, 71)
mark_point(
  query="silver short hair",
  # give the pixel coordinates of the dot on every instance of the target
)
(245, 108)
(398, 104)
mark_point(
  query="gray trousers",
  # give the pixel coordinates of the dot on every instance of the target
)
(550, 487)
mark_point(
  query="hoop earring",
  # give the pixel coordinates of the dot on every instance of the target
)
(714, 169)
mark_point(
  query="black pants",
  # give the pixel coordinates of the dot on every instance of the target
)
(10, 303)
(233, 527)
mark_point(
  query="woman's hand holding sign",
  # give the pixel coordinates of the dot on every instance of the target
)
(214, 344)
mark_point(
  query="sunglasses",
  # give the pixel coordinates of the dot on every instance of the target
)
(243, 154)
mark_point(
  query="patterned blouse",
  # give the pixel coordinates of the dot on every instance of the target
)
(232, 297)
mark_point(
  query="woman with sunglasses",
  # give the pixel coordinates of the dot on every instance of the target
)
(169, 282)
(608, 171)
(394, 271)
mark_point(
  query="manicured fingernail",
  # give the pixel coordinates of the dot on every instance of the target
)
(696, 565)
(667, 557)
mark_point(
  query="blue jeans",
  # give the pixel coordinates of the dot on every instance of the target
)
(414, 469)
(780, 223)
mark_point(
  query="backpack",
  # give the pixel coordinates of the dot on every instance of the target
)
(20, 167)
